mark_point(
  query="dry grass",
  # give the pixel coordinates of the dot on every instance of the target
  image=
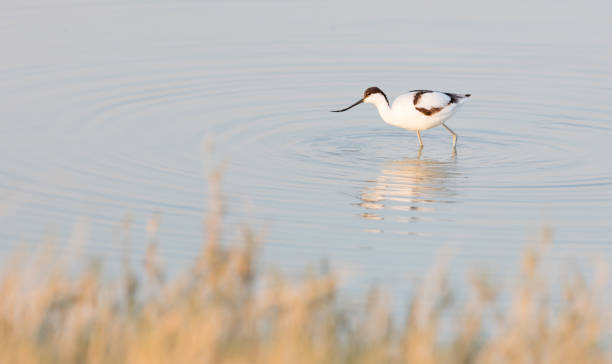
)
(221, 310)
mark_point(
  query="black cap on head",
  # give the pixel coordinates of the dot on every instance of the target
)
(374, 90)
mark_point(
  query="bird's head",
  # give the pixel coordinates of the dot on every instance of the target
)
(372, 95)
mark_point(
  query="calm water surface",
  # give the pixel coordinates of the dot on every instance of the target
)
(110, 109)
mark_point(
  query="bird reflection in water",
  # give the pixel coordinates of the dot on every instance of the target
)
(408, 188)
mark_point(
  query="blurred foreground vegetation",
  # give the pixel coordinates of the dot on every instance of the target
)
(221, 310)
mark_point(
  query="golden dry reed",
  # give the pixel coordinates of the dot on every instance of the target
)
(222, 310)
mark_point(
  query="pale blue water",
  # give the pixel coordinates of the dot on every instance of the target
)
(109, 109)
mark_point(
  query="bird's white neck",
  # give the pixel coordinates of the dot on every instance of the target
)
(382, 105)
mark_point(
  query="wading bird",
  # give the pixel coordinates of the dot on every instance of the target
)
(417, 110)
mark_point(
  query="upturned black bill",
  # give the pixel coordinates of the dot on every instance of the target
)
(355, 104)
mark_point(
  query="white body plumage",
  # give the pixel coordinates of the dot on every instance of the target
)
(403, 113)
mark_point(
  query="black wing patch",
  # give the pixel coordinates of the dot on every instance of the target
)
(418, 95)
(454, 98)
(429, 112)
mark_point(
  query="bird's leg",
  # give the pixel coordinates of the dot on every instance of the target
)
(420, 141)
(454, 135)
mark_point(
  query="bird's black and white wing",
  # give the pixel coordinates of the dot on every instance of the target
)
(431, 102)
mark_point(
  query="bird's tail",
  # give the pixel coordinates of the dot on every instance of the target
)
(459, 98)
